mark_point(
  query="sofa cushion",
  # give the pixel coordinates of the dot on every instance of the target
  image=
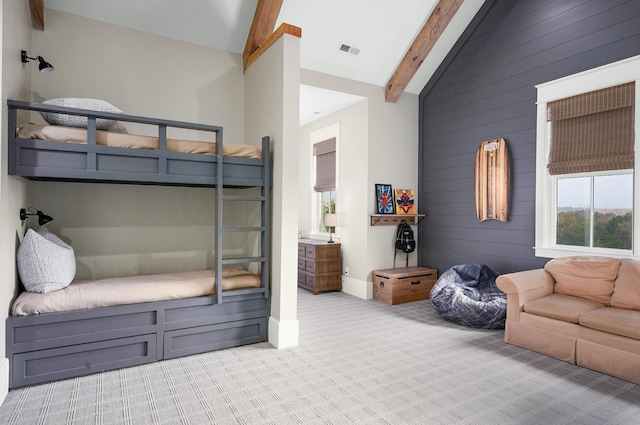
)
(561, 307)
(587, 277)
(619, 321)
(626, 292)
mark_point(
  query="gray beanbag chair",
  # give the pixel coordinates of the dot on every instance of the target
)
(467, 294)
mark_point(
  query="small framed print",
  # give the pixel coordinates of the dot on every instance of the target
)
(404, 201)
(384, 199)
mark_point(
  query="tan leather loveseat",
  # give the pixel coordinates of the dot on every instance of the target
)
(583, 310)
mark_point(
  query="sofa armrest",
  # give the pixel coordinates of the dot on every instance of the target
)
(522, 287)
(525, 281)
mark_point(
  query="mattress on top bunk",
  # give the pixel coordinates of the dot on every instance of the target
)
(57, 133)
(84, 294)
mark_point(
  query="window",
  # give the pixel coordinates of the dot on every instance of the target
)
(324, 150)
(586, 153)
(327, 205)
(595, 211)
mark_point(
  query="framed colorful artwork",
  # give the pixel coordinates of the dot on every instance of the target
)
(384, 199)
(404, 201)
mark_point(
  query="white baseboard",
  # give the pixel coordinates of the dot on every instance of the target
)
(357, 288)
(4, 379)
(283, 334)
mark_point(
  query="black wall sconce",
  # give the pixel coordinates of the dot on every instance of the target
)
(42, 217)
(44, 65)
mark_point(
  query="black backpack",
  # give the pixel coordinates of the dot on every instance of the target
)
(405, 241)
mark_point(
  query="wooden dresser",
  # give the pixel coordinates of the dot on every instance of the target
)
(319, 266)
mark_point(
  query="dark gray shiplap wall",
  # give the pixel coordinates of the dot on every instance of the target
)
(485, 89)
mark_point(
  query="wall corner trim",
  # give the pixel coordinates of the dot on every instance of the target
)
(283, 334)
(280, 31)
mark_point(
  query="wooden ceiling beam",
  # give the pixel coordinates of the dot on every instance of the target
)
(36, 7)
(422, 45)
(264, 22)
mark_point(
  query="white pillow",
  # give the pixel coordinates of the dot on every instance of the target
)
(77, 120)
(45, 262)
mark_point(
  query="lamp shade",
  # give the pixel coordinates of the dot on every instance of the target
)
(43, 218)
(331, 220)
(44, 65)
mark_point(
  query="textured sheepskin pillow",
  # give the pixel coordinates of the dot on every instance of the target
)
(45, 262)
(76, 120)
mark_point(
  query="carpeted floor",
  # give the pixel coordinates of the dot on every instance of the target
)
(358, 362)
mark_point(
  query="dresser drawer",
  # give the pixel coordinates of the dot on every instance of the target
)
(301, 277)
(309, 280)
(310, 251)
(301, 250)
(310, 266)
(301, 263)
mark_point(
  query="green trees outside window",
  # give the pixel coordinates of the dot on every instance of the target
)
(595, 211)
(327, 206)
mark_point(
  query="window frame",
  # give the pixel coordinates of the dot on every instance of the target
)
(592, 176)
(328, 132)
(616, 73)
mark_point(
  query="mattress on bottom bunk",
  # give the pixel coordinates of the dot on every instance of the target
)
(57, 133)
(84, 294)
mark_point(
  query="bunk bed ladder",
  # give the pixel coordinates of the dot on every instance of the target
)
(263, 228)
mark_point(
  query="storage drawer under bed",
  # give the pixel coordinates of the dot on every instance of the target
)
(53, 346)
(202, 339)
(78, 360)
(50, 330)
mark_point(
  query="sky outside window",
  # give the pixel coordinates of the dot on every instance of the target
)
(610, 192)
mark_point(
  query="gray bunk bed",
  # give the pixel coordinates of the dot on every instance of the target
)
(60, 345)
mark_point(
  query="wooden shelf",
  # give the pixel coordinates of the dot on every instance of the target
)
(395, 219)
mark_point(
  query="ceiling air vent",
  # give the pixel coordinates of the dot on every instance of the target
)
(349, 49)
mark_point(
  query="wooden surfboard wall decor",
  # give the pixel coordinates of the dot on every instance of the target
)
(492, 180)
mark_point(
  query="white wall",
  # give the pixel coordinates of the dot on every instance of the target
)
(140, 73)
(272, 104)
(121, 230)
(379, 144)
(16, 35)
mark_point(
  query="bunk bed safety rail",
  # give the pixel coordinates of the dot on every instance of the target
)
(37, 107)
(40, 157)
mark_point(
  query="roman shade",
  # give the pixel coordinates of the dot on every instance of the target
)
(592, 131)
(325, 154)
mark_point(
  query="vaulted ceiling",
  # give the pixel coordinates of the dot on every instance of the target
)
(396, 45)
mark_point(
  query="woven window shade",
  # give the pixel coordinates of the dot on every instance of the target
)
(325, 153)
(592, 131)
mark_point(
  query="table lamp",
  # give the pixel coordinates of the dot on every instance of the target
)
(330, 221)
